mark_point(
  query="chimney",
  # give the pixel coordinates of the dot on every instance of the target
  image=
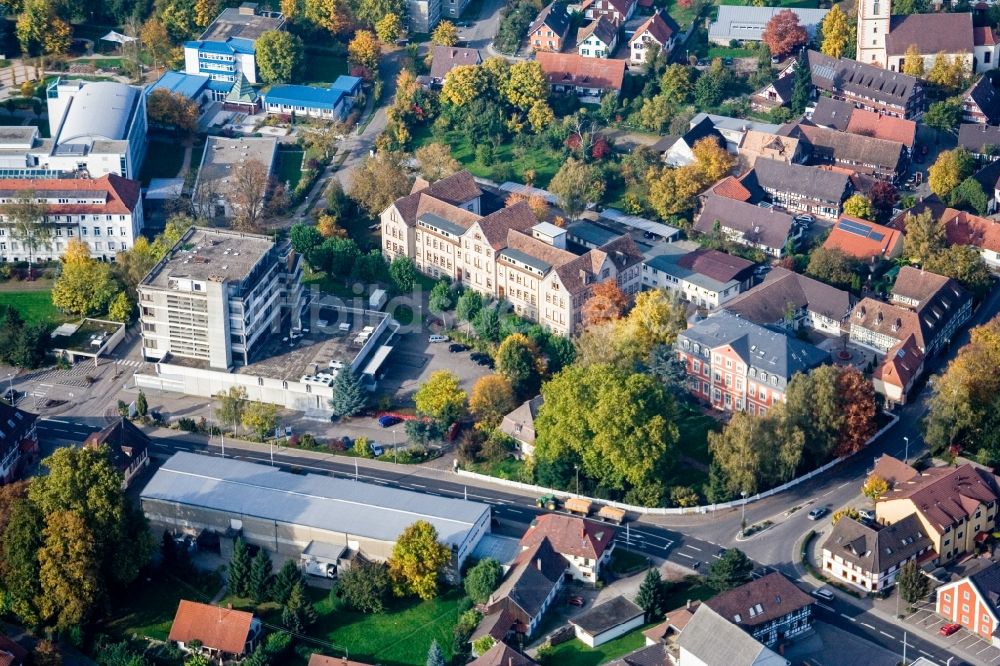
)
(229, 606)
(688, 604)
(538, 563)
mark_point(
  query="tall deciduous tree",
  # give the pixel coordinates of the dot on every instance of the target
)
(441, 398)
(85, 286)
(364, 50)
(607, 302)
(950, 169)
(924, 237)
(783, 33)
(836, 32)
(482, 579)
(492, 398)
(874, 487)
(279, 56)
(389, 28)
(22, 539)
(379, 181)
(417, 559)
(445, 34)
(366, 586)
(858, 205)
(526, 84)
(913, 63)
(29, 224)
(832, 266)
(856, 401)
(436, 162)
(519, 360)
(68, 570)
(576, 184)
(261, 418)
(250, 184)
(332, 15)
(231, 406)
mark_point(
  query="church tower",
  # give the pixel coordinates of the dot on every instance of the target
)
(873, 26)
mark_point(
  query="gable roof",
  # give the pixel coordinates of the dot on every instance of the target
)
(502, 654)
(862, 153)
(862, 239)
(602, 27)
(833, 113)
(962, 228)
(984, 36)
(572, 69)
(126, 442)
(846, 75)
(717, 265)
(731, 187)
(520, 423)
(553, 17)
(498, 226)
(889, 319)
(932, 33)
(763, 349)
(893, 470)
(452, 191)
(881, 126)
(660, 26)
(764, 144)
(535, 571)
(987, 583)
(768, 302)
(445, 58)
(973, 136)
(15, 425)
(121, 195)
(759, 601)
(218, 628)
(716, 641)
(986, 98)
(623, 7)
(608, 615)
(765, 226)
(570, 535)
(651, 655)
(802, 180)
(944, 495)
(877, 550)
(901, 365)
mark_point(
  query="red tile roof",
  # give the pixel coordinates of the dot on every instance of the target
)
(656, 27)
(122, 195)
(901, 364)
(218, 628)
(570, 535)
(869, 123)
(984, 36)
(893, 470)
(963, 228)
(571, 69)
(731, 188)
(881, 242)
(760, 601)
(944, 495)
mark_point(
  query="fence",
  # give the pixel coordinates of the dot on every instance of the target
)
(674, 511)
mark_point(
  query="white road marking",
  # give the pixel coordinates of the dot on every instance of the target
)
(687, 545)
(55, 421)
(418, 485)
(887, 635)
(984, 649)
(865, 624)
(685, 555)
(824, 606)
(826, 493)
(926, 654)
(518, 511)
(843, 484)
(848, 617)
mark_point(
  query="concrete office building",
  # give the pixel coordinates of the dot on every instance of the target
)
(228, 47)
(216, 295)
(291, 514)
(97, 128)
(219, 169)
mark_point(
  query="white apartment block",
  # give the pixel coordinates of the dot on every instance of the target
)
(506, 255)
(105, 213)
(423, 15)
(216, 296)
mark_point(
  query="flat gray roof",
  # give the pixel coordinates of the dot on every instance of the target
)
(235, 22)
(223, 156)
(321, 502)
(209, 254)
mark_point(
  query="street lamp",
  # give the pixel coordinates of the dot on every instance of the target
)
(906, 455)
(577, 468)
(743, 520)
(10, 378)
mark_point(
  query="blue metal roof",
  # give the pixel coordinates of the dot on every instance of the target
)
(189, 85)
(307, 96)
(220, 86)
(242, 45)
(228, 47)
(349, 84)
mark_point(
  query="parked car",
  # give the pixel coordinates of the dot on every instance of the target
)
(438, 338)
(823, 593)
(816, 514)
(575, 600)
(949, 629)
(10, 395)
(377, 450)
(457, 347)
(728, 62)
(387, 421)
(805, 220)
(482, 359)
(866, 514)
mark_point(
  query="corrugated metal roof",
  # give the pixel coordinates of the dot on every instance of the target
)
(739, 22)
(307, 96)
(99, 110)
(189, 85)
(338, 505)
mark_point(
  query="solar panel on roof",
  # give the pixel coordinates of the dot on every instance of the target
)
(876, 236)
(857, 228)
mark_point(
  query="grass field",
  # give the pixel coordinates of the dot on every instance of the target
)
(545, 163)
(575, 653)
(624, 562)
(323, 66)
(289, 169)
(151, 605)
(692, 587)
(163, 160)
(34, 306)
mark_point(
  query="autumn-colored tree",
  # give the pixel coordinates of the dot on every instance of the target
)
(540, 116)
(389, 28)
(860, 206)
(332, 15)
(539, 206)
(445, 34)
(713, 161)
(417, 559)
(329, 228)
(836, 32)
(519, 359)
(857, 404)
(86, 286)
(950, 169)
(156, 40)
(463, 84)
(291, 9)
(205, 12)
(883, 196)
(948, 72)
(607, 302)
(492, 398)
(673, 191)
(379, 181)
(250, 183)
(913, 63)
(847, 512)
(526, 84)
(441, 397)
(675, 84)
(435, 161)
(784, 34)
(58, 37)
(364, 50)
(874, 487)
(924, 237)
(577, 184)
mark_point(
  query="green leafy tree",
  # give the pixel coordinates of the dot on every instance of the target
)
(858, 205)
(925, 237)
(482, 579)
(121, 309)
(349, 395)
(287, 577)
(389, 28)
(441, 398)
(298, 613)
(651, 597)
(239, 569)
(417, 559)
(445, 34)
(403, 273)
(731, 570)
(965, 264)
(468, 305)
(22, 540)
(576, 184)
(29, 224)
(260, 579)
(832, 266)
(231, 405)
(365, 587)
(305, 238)
(676, 85)
(68, 570)
(519, 360)
(913, 584)
(969, 195)
(944, 115)
(486, 323)
(441, 298)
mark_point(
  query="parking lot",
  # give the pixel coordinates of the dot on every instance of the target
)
(413, 360)
(964, 644)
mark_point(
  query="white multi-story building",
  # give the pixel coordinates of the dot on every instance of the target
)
(423, 15)
(105, 213)
(506, 254)
(98, 127)
(216, 295)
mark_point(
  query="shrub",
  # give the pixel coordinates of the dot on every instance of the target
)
(187, 424)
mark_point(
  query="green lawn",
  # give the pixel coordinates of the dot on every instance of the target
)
(624, 562)
(149, 607)
(694, 428)
(399, 637)
(692, 587)
(575, 653)
(683, 15)
(727, 52)
(323, 66)
(289, 169)
(544, 162)
(163, 160)
(34, 306)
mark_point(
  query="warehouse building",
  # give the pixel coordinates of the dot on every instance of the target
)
(311, 517)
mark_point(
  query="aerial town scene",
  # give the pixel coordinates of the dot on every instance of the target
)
(501, 333)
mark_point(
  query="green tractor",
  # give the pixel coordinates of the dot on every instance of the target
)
(547, 502)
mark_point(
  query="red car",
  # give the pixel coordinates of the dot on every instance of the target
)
(575, 600)
(949, 629)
